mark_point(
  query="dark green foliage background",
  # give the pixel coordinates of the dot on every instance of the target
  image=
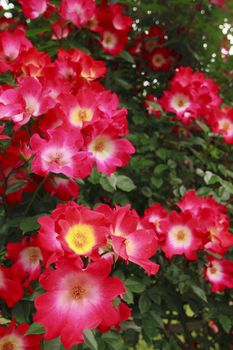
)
(171, 310)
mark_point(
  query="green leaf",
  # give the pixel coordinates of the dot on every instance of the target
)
(135, 285)
(94, 178)
(37, 30)
(123, 83)
(54, 344)
(114, 341)
(157, 181)
(227, 185)
(128, 296)
(124, 183)
(157, 318)
(203, 126)
(112, 179)
(15, 187)
(160, 168)
(90, 339)
(146, 191)
(162, 153)
(225, 322)
(210, 178)
(144, 303)
(29, 224)
(106, 183)
(127, 56)
(155, 105)
(199, 292)
(35, 328)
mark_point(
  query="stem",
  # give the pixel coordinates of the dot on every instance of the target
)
(5, 205)
(34, 195)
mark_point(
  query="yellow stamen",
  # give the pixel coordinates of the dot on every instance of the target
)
(81, 238)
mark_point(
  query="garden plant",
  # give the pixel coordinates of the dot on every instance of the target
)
(116, 194)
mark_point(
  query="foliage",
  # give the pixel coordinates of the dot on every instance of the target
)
(175, 308)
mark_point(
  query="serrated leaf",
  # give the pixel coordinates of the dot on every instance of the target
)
(199, 292)
(146, 191)
(29, 224)
(127, 56)
(128, 296)
(90, 339)
(154, 105)
(227, 185)
(157, 318)
(203, 126)
(54, 344)
(15, 187)
(210, 178)
(35, 328)
(112, 179)
(160, 168)
(124, 183)
(106, 185)
(135, 285)
(225, 322)
(144, 303)
(162, 153)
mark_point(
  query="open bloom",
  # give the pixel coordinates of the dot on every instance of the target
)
(26, 257)
(113, 27)
(14, 338)
(219, 272)
(77, 11)
(72, 230)
(180, 236)
(129, 240)
(12, 43)
(108, 150)
(82, 229)
(77, 298)
(60, 154)
(153, 217)
(222, 123)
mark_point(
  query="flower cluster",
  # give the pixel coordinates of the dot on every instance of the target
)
(191, 95)
(150, 46)
(72, 123)
(79, 296)
(201, 225)
(194, 96)
(76, 248)
(112, 26)
(105, 19)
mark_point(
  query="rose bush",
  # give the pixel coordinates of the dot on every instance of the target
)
(116, 124)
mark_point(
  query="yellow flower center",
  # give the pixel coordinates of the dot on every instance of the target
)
(180, 236)
(102, 147)
(225, 125)
(80, 238)
(80, 115)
